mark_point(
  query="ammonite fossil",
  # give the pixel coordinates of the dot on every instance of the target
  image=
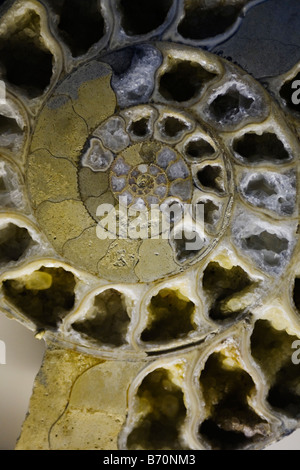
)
(149, 226)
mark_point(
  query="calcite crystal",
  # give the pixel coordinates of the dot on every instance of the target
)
(159, 335)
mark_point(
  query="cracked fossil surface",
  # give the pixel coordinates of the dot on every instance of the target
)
(150, 345)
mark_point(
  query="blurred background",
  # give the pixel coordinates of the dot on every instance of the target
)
(24, 356)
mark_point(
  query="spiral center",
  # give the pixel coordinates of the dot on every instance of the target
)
(145, 181)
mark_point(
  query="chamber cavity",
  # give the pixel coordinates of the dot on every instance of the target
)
(212, 211)
(273, 350)
(160, 405)
(272, 191)
(198, 148)
(15, 243)
(170, 317)
(227, 290)
(11, 133)
(172, 128)
(107, 321)
(80, 24)
(268, 246)
(141, 16)
(184, 80)
(140, 127)
(203, 21)
(10, 194)
(232, 105)
(97, 158)
(211, 177)
(296, 293)
(256, 148)
(135, 84)
(231, 422)
(187, 242)
(113, 134)
(26, 61)
(44, 296)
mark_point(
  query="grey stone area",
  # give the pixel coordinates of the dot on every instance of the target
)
(268, 41)
(90, 71)
(135, 85)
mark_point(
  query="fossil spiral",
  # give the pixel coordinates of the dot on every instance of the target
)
(165, 336)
